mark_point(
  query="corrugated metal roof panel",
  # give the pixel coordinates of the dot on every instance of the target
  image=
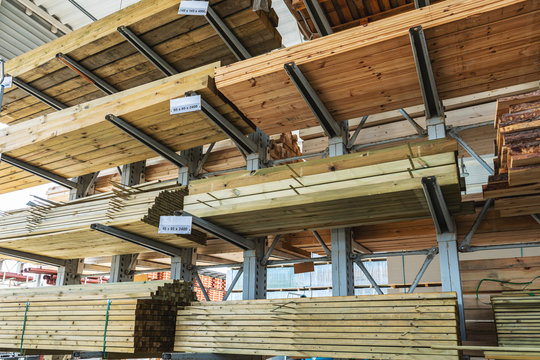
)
(19, 32)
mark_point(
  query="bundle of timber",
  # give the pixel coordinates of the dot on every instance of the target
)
(224, 156)
(517, 316)
(63, 230)
(346, 14)
(370, 69)
(181, 41)
(130, 318)
(360, 188)
(358, 327)
(516, 185)
(81, 140)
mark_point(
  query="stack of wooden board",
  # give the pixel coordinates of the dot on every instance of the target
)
(346, 14)
(370, 69)
(183, 41)
(516, 185)
(360, 188)
(79, 140)
(358, 327)
(224, 156)
(130, 318)
(63, 230)
(517, 316)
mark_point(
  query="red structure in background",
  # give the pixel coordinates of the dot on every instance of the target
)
(50, 275)
(14, 276)
(215, 287)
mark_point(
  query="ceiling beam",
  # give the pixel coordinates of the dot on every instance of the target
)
(45, 16)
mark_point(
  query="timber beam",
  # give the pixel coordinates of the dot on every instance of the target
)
(145, 242)
(86, 74)
(222, 233)
(148, 141)
(47, 175)
(44, 98)
(147, 51)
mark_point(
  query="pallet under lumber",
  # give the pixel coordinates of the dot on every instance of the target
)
(358, 327)
(79, 140)
(183, 41)
(63, 231)
(371, 69)
(128, 318)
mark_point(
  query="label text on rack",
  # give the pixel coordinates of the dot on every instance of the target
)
(175, 225)
(185, 104)
(193, 7)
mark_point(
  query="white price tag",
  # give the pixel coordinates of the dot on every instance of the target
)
(193, 7)
(8, 82)
(175, 224)
(185, 104)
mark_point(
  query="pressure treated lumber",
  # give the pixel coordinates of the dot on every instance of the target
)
(358, 327)
(79, 140)
(63, 231)
(185, 42)
(370, 69)
(361, 188)
(517, 316)
(125, 318)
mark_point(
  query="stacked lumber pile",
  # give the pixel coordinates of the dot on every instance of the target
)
(185, 42)
(79, 140)
(460, 35)
(344, 15)
(63, 230)
(516, 183)
(358, 327)
(130, 318)
(224, 156)
(517, 316)
(361, 188)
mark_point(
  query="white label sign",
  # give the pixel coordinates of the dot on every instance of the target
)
(8, 81)
(185, 104)
(193, 7)
(175, 224)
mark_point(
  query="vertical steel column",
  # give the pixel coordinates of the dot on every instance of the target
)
(254, 281)
(85, 186)
(182, 266)
(70, 274)
(193, 157)
(258, 160)
(342, 262)
(122, 265)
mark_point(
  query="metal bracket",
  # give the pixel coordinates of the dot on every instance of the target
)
(467, 240)
(122, 268)
(433, 105)
(421, 3)
(260, 159)
(147, 51)
(182, 266)
(47, 175)
(41, 259)
(233, 283)
(133, 174)
(354, 136)
(322, 243)
(55, 104)
(70, 273)
(429, 258)
(227, 35)
(145, 242)
(201, 285)
(437, 206)
(318, 17)
(255, 273)
(370, 278)
(473, 153)
(270, 250)
(330, 126)
(86, 74)
(193, 157)
(222, 233)
(420, 130)
(148, 141)
(84, 185)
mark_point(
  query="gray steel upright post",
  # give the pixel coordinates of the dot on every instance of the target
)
(182, 266)
(122, 265)
(254, 281)
(187, 173)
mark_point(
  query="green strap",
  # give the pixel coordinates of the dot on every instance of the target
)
(24, 327)
(106, 324)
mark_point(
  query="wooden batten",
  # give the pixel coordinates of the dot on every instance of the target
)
(79, 140)
(370, 69)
